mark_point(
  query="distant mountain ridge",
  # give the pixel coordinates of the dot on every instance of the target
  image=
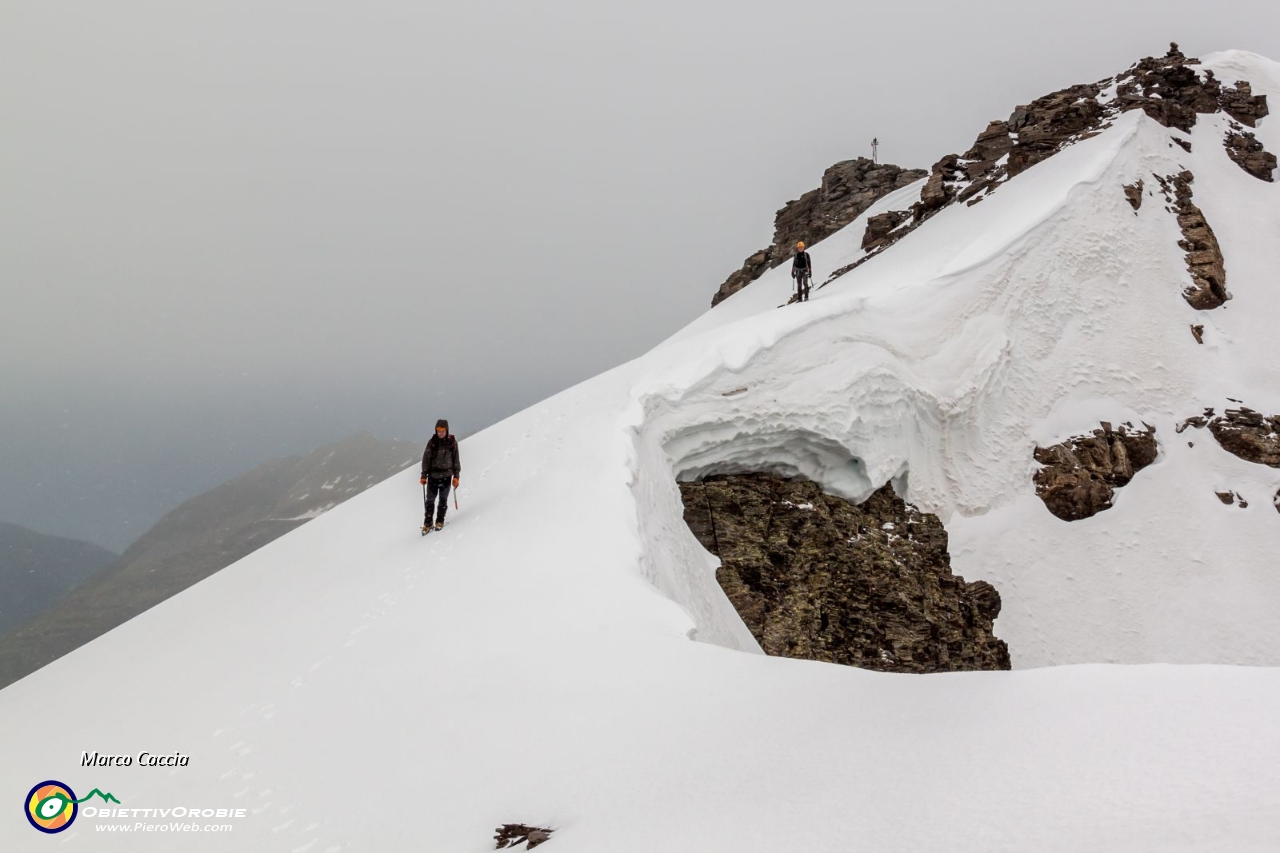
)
(200, 537)
(36, 570)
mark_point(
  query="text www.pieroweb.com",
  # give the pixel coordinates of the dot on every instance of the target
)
(164, 827)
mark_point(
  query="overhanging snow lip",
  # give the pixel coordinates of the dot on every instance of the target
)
(748, 445)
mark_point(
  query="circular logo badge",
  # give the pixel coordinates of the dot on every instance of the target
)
(51, 806)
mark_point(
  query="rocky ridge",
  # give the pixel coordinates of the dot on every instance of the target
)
(1205, 264)
(1165, 88)
(815, 576)
(1080, 475)
(848, 189)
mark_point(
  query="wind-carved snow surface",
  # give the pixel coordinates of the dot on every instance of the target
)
(533, 663)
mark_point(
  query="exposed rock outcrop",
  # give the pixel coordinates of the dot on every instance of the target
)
(1133, 194)
(848, 189)
(815, 576)
(1246, 151)
(1208, 288)
(1241, 104)
(514, 834)
(946, 178)
(991, 145)
(752, 268)
(1046, 125)
(1230, 497)
(880, 226)
(1082, 473)
(1251, 435)
(1197, 421)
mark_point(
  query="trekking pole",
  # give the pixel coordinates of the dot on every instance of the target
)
(425, 511)
(455, 497)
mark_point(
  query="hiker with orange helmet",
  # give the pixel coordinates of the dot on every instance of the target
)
(802, 272)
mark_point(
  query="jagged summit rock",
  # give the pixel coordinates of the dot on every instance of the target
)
(1168, 89)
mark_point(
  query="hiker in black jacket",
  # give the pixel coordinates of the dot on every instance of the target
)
(802, 272)
(440, 468)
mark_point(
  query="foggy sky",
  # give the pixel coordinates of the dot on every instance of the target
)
(235, 229)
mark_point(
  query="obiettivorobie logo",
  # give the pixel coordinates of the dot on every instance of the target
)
(52, 806)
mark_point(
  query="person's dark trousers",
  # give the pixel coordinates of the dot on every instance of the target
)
(803, 286)
(437, 487)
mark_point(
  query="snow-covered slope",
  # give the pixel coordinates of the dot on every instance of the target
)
(200, 537)
(562, 655)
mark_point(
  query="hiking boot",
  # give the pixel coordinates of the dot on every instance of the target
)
(439, 525)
